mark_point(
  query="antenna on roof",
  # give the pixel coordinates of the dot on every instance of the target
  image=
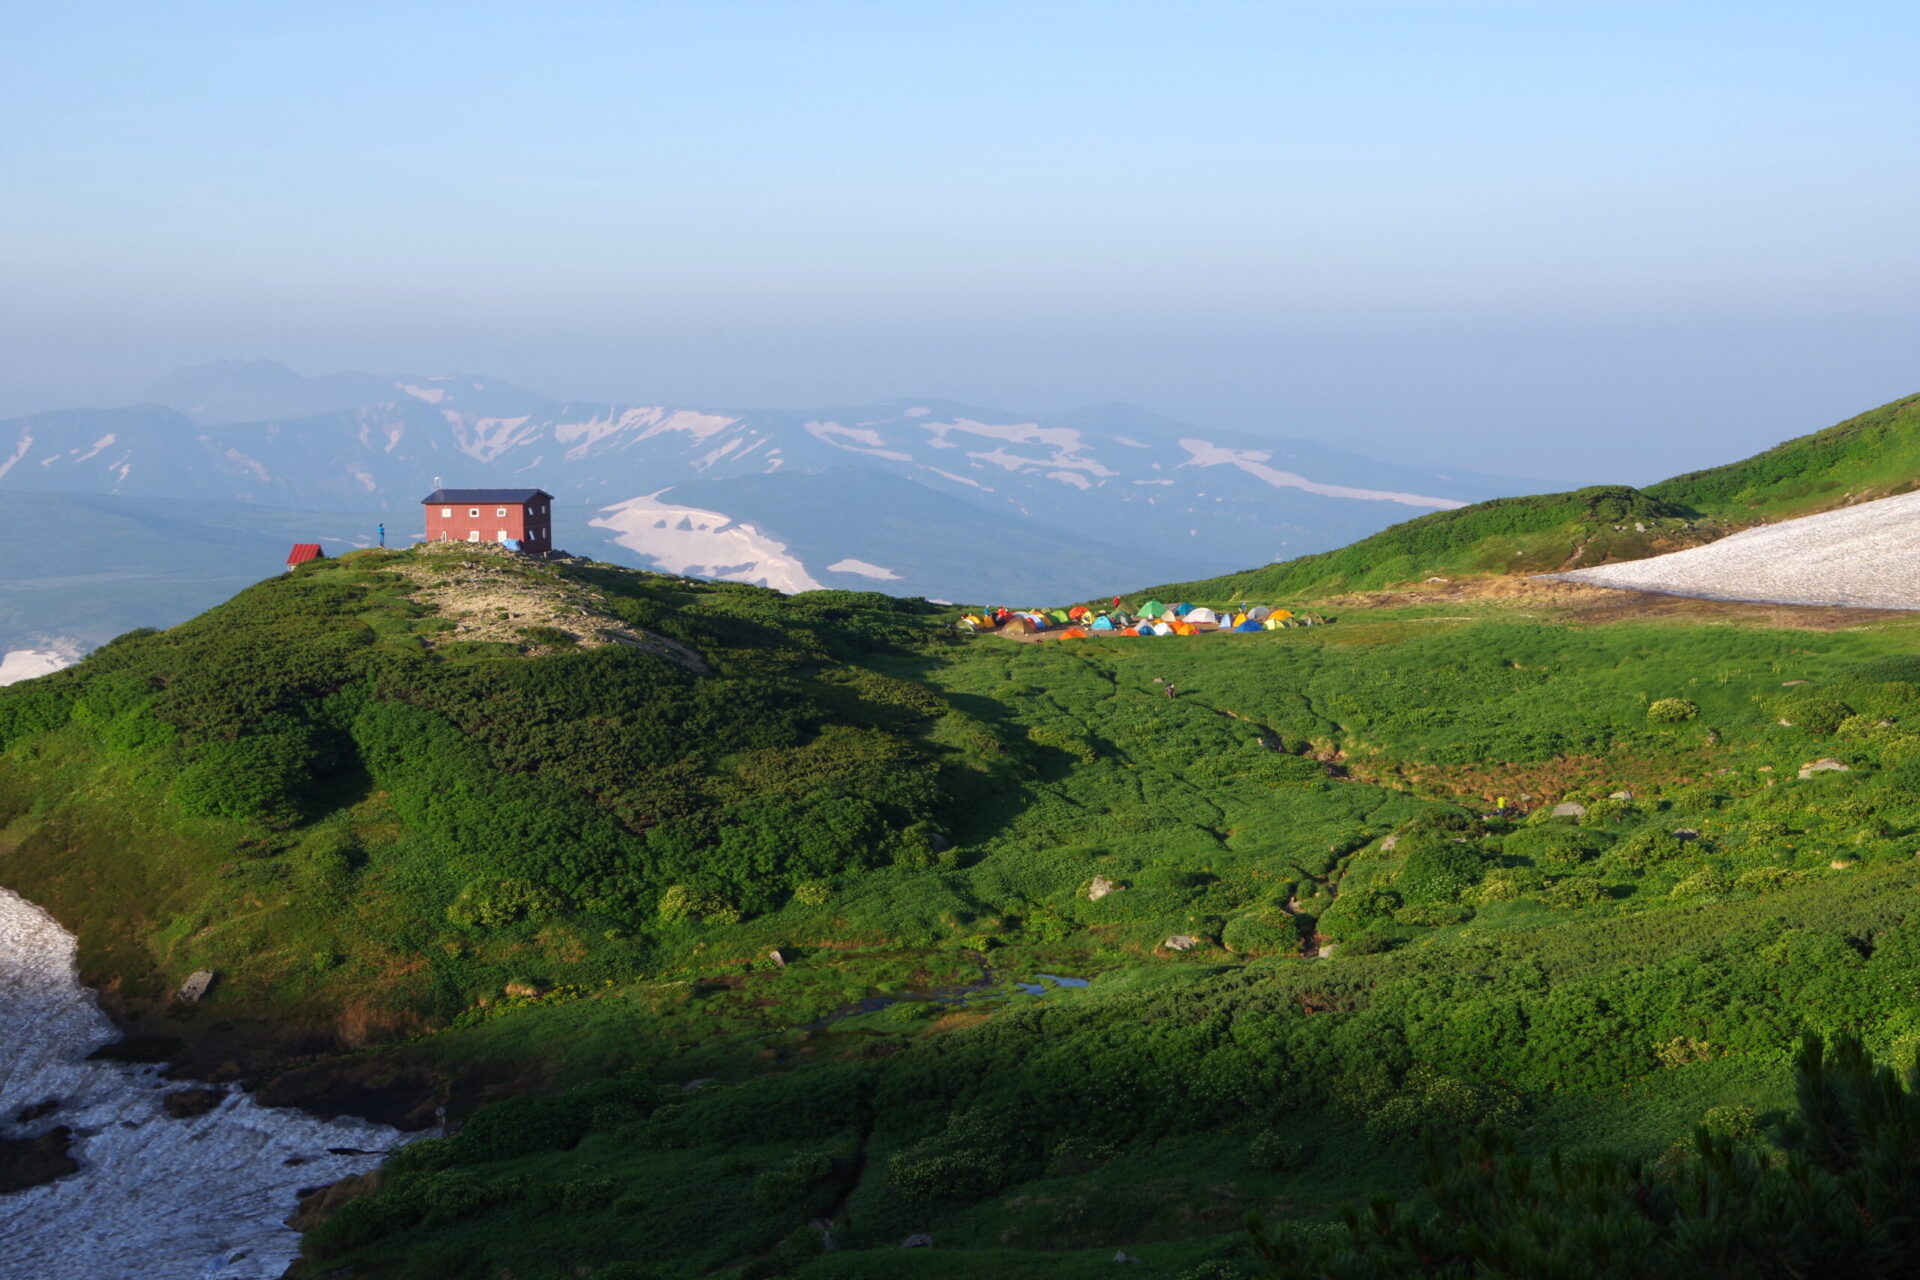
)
(436, 482)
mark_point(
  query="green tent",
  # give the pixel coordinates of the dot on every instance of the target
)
(1153, 609)
(1060, 616)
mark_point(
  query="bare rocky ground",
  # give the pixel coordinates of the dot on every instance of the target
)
(1863, 556)
(1584, 603)
(491, 594)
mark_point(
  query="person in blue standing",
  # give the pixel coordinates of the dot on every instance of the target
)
(383, 534)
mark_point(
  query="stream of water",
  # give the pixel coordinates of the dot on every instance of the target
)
(157, 1198)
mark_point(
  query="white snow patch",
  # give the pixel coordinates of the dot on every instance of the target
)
(25, 664)
(859, 435)
(707, 460)
(1013, 432)
(1130, 442)
(864, 569)
(705, 544)
(1252, 461)
(958, 479)
(26, 443)
(98, 445)
(204, 1198)
(485, 439)
(237, 458)
(364, 476)
(825, 431)
(918, 411)
(1073, 478)
(1153, 482)
(366, 434)
(1068, 452)
(1866, 556)
(643, 424)
(432, 395)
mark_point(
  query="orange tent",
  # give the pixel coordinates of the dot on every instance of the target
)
(1078, 611)
(1074, 633)
(1185, 629)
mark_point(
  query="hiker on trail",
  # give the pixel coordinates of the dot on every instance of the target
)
(1500, 805)
(383, 534)
(1171, 693)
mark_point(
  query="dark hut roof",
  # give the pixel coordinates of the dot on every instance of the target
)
(484, 495)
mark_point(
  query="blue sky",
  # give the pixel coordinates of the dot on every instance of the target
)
(1566, 240)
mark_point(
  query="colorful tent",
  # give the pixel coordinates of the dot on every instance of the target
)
(1078, 611)
(1251, 625)
(1163, 628)
(1074, 633)
(1182, 610)
(1103, 623)
(1185, 629)
(1018, 625)
(1153, 609)
(1197, 616)
(1145, 629)
(1259, 612)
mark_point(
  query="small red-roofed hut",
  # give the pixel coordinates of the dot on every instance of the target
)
(303, 552)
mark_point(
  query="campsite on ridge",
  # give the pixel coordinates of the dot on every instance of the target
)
(721, 924)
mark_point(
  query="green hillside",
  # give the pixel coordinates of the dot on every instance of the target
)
(1874, 455)
(1547, 533)
(710, 913)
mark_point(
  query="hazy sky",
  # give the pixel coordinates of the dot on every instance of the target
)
(1567, 240)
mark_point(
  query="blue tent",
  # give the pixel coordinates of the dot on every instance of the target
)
(1102, 623)
(1182, 610)
(1250, 625)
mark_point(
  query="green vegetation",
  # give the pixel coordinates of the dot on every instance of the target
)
(1842, 1198)
(1872, 456)
(705, 942)
(463, 804)
(1548, 533)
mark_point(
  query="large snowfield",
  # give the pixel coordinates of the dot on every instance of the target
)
(25, 664)
(203, 1198)
(1866, 556)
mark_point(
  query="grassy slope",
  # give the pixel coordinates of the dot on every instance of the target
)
(1543, 967)
(1591, 949)
(1874, 455)
(1540, 534)
(1871, 456)
(362, 832)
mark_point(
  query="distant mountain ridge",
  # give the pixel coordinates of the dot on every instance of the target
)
(1074, 502)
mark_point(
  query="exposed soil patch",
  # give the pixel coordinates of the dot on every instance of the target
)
(28, 1162)
(1581, 603)
(184, 1104)
(494, 595)
(1546, 781)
